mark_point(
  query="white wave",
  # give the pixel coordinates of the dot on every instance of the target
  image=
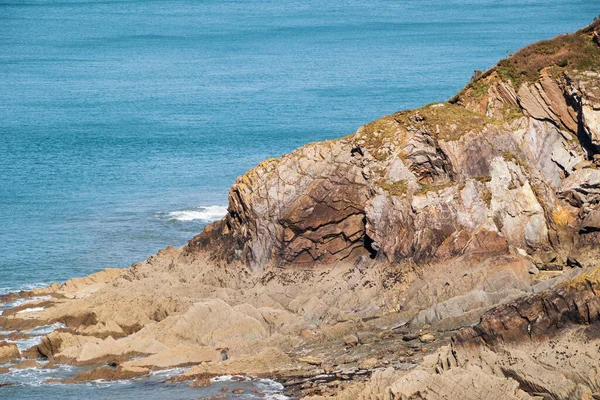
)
(209, 214)
(39, 333)
(19, 302)
(30, 310)
(104, 382)
(24, 344)
(168, 373)
(25, 287)
(38, 376)
(229, 378)
(271, 389)
(276, 396)
(46, 329)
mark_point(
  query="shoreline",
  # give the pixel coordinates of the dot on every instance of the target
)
(449, 250)
(314, 377)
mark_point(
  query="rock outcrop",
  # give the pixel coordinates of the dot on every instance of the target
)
(346, 266)
(542, 346)
(8, 352)
(508, 163)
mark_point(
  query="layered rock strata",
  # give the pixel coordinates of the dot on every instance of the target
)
(356, 260)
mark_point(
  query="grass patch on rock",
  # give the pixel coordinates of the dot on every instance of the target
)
(444, 121)
(399, 188)
(511, 157)
(577, 51)
(378, 136)
(426, 188)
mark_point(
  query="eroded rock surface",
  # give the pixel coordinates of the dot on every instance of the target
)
(347, 266)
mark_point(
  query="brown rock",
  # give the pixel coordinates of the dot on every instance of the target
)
(107, 374)
(26, 364)
(310, 360)
(49, 365)
(592, 220)
(426, 338)
(410, 336)
(17, 336)
(237, 391)
(351, 340)
(386, 334)
(369, 363)
(201, 382)
(9, 352)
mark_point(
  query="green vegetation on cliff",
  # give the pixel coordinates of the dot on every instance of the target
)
(577, 51)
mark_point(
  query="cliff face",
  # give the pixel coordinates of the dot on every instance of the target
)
(510, 162)
(304, 207)
(372, 250)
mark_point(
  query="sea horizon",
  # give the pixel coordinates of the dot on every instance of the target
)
(124, 123)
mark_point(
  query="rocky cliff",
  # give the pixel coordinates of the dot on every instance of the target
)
(379, 252)
(509, 163)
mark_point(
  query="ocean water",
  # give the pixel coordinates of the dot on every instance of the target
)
(123, 123)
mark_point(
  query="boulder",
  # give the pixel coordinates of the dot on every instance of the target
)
(9, 352)
(427, 338)
(351, 340)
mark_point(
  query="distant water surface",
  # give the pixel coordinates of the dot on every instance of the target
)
(123, 123)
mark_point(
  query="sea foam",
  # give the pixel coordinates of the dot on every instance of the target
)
(209, 214)
(30, 310)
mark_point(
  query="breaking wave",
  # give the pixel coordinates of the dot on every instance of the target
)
(208, 214)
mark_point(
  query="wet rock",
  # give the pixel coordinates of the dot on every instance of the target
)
(105, 373)
(216, 396)
(26, 364)
(49, 365)
(13, 336)
(200, 382)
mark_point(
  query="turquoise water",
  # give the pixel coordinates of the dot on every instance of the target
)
(123, 123)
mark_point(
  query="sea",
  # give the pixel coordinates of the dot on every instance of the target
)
(124, 122)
